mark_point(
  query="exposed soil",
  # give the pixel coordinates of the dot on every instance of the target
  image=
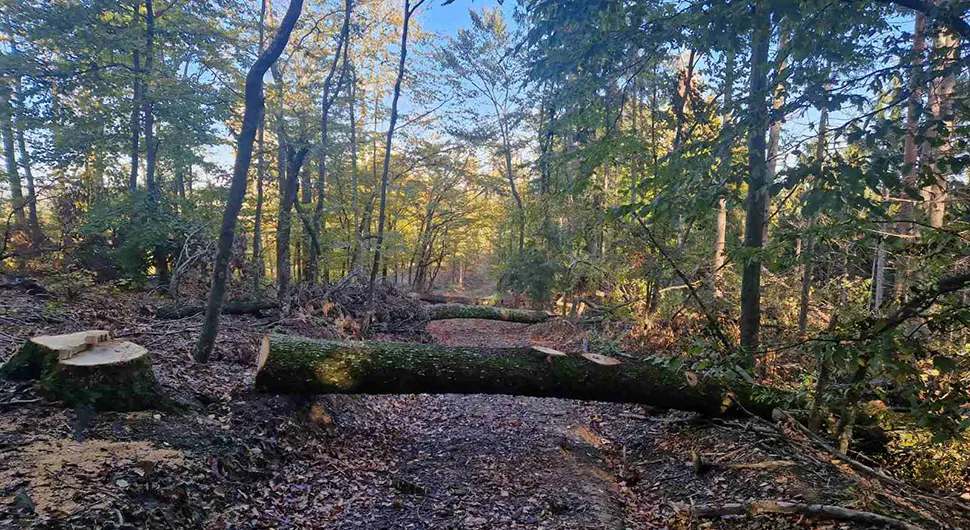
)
(233, 459)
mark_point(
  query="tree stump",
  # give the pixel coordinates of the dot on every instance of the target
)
(87, 368)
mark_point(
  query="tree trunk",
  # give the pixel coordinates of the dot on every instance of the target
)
(808, 253)
(294, 365)
(378, 251)
(451, 311)
(288, 191)
(330, 93)
(905, 228)
(946, 47)
(774, 135)
(258, 265)
(136, 96)
(19, 106)
(13, 176)
(253, 111)
(724, 170)
(757, 184)
(354, 192)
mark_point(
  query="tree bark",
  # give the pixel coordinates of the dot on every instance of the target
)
(13, 176)
(19, 106)
(774, 134)
(294, 162)
(136, 96)
(253, 110)
(258, 265)
(291, 365)
(905, 228)
(450, 311)
(724, 170)
(757, 184)
(946, 47)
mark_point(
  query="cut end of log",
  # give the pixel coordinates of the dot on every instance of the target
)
(67, 346)
(263, 353)
(601, 359)
(106, 353)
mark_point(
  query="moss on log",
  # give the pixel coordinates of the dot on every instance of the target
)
(291, 365)
(448, 311)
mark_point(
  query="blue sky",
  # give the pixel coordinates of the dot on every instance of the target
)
(447, 20)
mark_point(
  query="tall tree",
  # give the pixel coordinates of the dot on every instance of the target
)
(409, 10)
(253, 111)
(757, 184)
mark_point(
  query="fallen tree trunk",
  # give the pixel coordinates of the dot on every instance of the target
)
(823, 511)
(292, 365)
(448, 311)
(232, 308)
(448, 299)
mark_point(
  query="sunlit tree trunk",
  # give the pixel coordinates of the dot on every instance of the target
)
(258, 265)
(757, 184)
(905, 228)
(252, 112)
(378, 251)
(774, 135)
(946, 46)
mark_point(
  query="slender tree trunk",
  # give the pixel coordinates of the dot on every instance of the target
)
(905, 228)
(237, 189)
(288, 192)
(808, 253)
(136, 97)
(774, 135)
(13, 176)
(378, 251)
(147, 107)
(354, 192)
(258, 265)
(330, 93)
(724, 170)
(757, 184)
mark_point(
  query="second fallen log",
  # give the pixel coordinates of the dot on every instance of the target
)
(292, 365)
(449, 311)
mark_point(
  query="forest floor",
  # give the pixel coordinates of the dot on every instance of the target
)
(234, 459)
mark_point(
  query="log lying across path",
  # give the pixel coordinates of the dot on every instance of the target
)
(87, 368)
(292, 365)
(448, 311)
(447, 299)
(243, 307)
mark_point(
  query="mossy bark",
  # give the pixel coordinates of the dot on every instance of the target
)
(291, 365)
(27, 362)
(449, 311)
(123, 386)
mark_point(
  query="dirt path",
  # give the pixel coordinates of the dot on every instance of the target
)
(233, 459)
